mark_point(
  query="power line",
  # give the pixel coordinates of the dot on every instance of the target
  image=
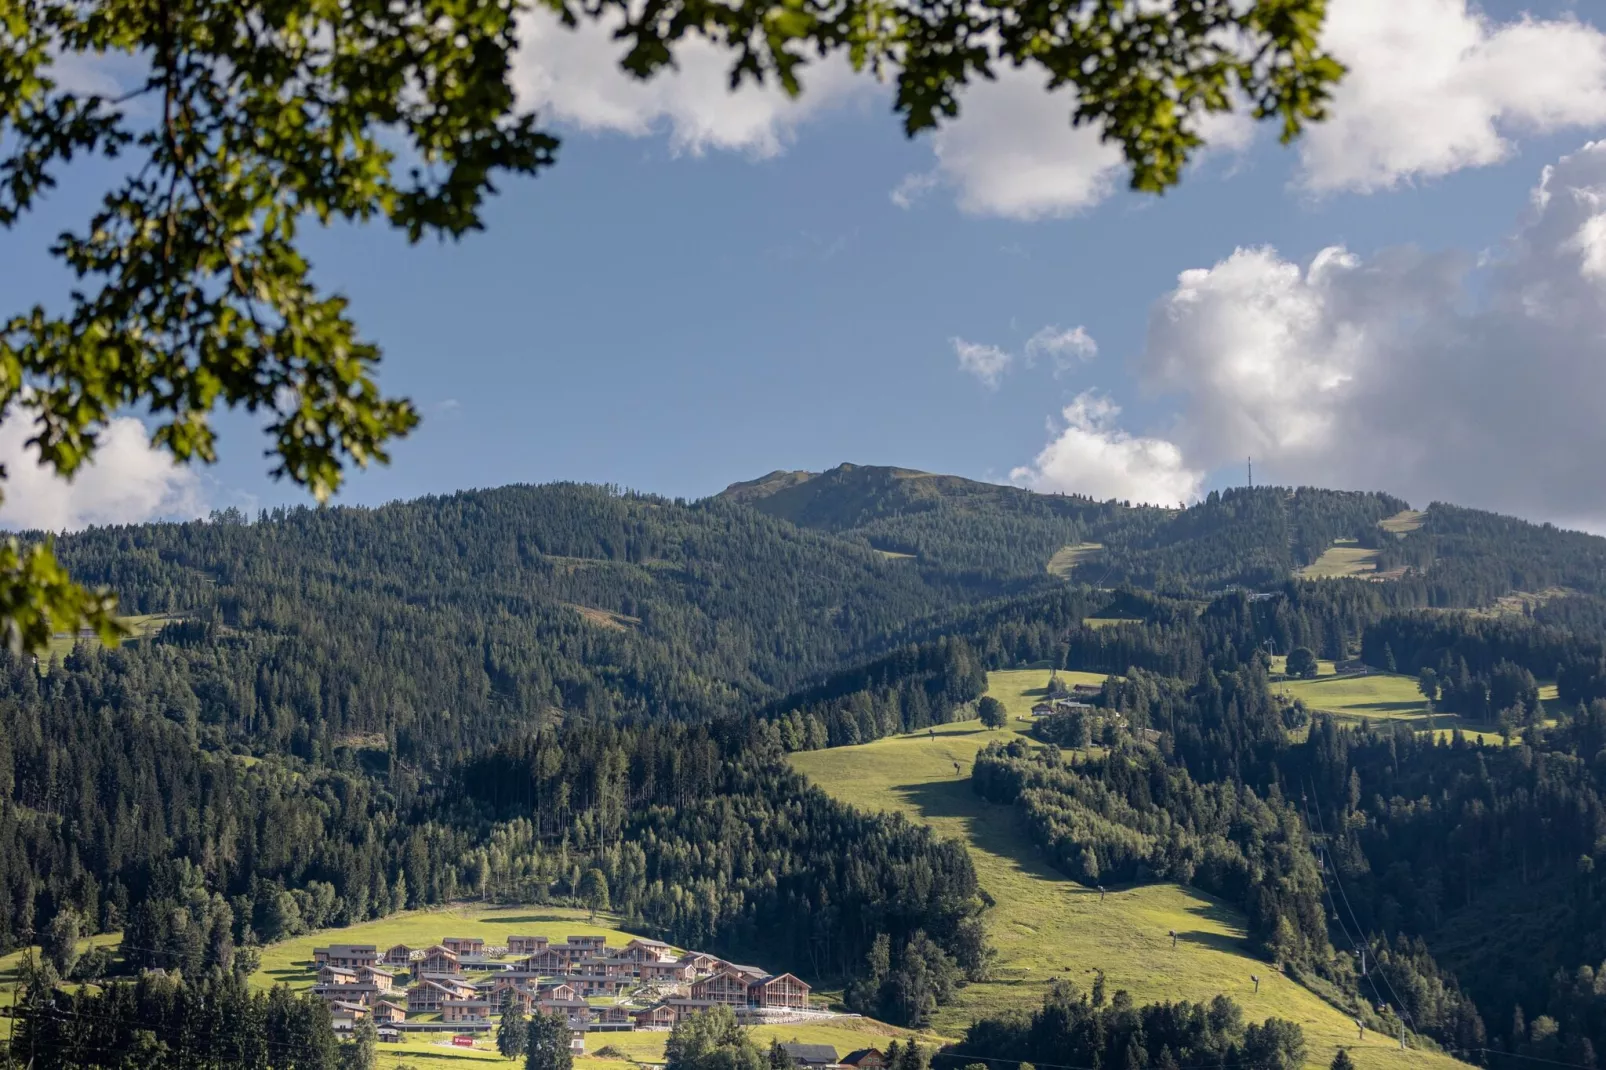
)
(1339, 884)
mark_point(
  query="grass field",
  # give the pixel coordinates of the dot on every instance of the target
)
(1385, 696)
(290, 962)
(1045, 926)
(1343, 558)
(10, 964)
(1067, 558)
(141, 625)
(1404, 522)
(1279, 666)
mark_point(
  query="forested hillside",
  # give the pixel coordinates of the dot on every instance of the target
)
(498, 694)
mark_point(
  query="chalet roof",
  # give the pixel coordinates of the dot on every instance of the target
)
(344, 1005)
(377, 971)
(681, 1001)
(638, 942)
(811, 1054)
(343, 970)
(853, 1058)
(571, 1004)
(465, 1003)
(347, 948)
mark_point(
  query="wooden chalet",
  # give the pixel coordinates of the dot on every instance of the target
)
(560, 990)
(345, 1014)
(592, 943)
(728, 986)
(685, 1008)
(336, 975)
(669, 972)
(440, 959)
(577, 1011)
(866, 1059)
(398, 957)
(386, 1011)
(377, 976)
(614, 1017)
(702, 965)
(465, 1010)
(526, 945)
(348, 956)
(781, 991)
(427, 996)
(352, 993)
(659, 1016)
(464, 945)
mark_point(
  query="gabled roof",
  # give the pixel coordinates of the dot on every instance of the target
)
(817, 1054)
(852, 1058)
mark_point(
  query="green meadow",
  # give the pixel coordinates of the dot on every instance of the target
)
(1046, 927)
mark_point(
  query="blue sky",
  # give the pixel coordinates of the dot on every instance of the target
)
(674, 317)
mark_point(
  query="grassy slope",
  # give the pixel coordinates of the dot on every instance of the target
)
(1045, 926)
(1067, 558)
(290, 962)
(1385, 696)
(1341, 560)
(10, 964)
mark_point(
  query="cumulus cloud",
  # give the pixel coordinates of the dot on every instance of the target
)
(1433, 375)
(1013, 152)
(129, 481)
(1434, 86)
(1067, 348)
(1091, 455)
(573, 76)
(986, 362)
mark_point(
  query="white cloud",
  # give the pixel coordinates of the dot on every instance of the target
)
(985, 362)
(1068, 348)
(573, 77)
(129, 481)
(1092, 456)
(1435, 86)
(1013, 152)
(1443, 376)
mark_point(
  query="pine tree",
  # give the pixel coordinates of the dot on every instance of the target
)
(547, 1046)
(512, 1033)
(1342, 1061)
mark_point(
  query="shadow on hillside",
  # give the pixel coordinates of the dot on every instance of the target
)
(1232, 945)
(988, 826)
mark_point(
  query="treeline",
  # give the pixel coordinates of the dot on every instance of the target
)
(915, 687)
(206, 1023)
(1076, 1029)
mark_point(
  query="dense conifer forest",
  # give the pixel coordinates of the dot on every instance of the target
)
(344, 713)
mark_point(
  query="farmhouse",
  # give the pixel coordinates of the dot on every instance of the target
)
(811, 1054)
(349, 956)
(865, 1059)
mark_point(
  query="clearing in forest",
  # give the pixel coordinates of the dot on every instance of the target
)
(1067, 558)
(1046, 926)
(1344, 558)
(1403, 522)
(1382, 696)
